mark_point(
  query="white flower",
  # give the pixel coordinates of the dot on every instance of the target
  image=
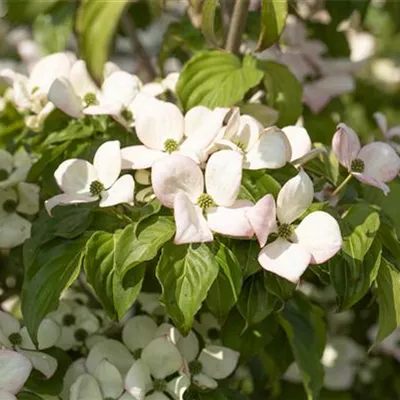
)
(207, 366)
(155, 89)
(14, 229)
(83, 182)
(73, 93)
(178, 183)
(148, 378)
(13, 168)
(261, 148)
(150, 304)
(208, 327)
(315, 240)
(118, 97)
(31, 93)
(341, 361)
(101, 375)
(77, 323)
(12, 336)
(163, 130)
(392, 135)
(14, 371)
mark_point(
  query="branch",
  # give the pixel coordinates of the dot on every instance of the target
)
(137, 48)
(237, 25)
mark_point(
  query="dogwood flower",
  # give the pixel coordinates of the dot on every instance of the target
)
(14, 229)
(392, 134)
(77, 322)
(73, 93)
(12, 336)
(31, 93)
(14, 372)
(374, 164)
(83, 182)
(155, 89)
(208, 327)
(150, 304)
(300, 144)
(316, 239)
(148, 378)
(163, 130)
(118, 97)
(13, 168)
(261, 148)
(341, 361)
(207, 366)
(178, 183)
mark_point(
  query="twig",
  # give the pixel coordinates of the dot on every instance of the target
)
(237, 25)
(137, 48)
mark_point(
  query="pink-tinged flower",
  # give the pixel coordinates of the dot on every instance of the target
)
(374, 164)
(315, 240)
(392, 134)
(14, 371)
(178, 183)
(261, 148)
(319, 93)
(163, 130)
(83, 182)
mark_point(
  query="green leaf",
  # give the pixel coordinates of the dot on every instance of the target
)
(388, 290)
(96, 23)
(137, 244)
(186, 274)
(279, 287)
(352, 282)
(115, 297)
(225, 290)
(216, 79)
(267, 116)
(75, 130)
(54, 268)
(390, 241)
(303, 325)
(247, 341)
(208, 21)
(67, 222)
(273, 19)
(256, 184)
(28, 396)
(360, 225)
(256, 302)
(53, 30)
(246, 252)
(284, 92)
(26, 10)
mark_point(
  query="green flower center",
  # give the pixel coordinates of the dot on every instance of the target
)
(96, 188)
(195, 367)
(357, 165)
(159, 385)
(285, 231)
(171, 145)
(3, 175)
(213, 334)
(68, 320)
(15, 339)
(80, 335)
(10, 206)
(34, 89)
(239, 144)
(90, 99)
(137, 354)
(205, 201)
(127, 114)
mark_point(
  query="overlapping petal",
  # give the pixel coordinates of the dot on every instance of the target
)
(107, 162)
(346, 145)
